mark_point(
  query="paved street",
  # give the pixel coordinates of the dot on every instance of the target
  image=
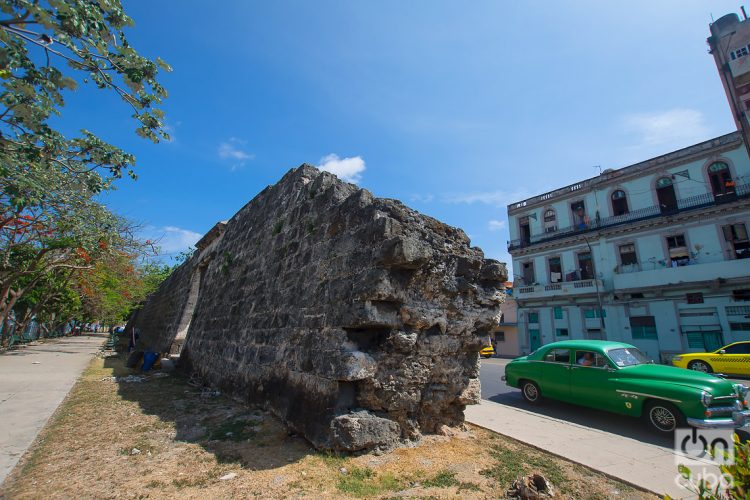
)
(34, 380)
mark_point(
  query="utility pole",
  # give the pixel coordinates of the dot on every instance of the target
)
(596, 285)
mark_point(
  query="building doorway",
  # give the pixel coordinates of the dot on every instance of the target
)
(702, 329)
(524, 230)
(736, 236)
(585, 266)
(528, 273)
(722, 184)
(535, 341)
(666, 195)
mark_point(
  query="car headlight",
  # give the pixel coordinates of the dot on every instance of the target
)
(706, 398)
(741, 390)
(677, 358)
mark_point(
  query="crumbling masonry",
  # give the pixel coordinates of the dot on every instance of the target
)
(355, 319)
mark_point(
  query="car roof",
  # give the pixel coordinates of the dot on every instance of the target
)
(587, 344)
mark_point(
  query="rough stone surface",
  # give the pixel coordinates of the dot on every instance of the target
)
(355, 319)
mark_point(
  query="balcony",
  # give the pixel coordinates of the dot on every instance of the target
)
(683, 205)
(660, 277)
(564, 288)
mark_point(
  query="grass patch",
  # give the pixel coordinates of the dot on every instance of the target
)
(509, 464)
(447, 479)
(332, 459)
(364, 482)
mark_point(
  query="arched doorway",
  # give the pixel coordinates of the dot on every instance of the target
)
(619, 203)
(721, 180)
(666, 195)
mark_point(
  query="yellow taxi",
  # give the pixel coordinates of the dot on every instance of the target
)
(487, 351)
(733, 358)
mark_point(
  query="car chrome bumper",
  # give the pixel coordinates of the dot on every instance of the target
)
(739, 419)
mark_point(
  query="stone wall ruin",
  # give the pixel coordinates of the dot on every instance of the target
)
(355, 319)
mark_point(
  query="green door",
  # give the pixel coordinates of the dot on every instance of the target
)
(556, 374)
(534, 340)
(590, 382)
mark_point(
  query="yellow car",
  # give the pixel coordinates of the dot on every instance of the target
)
(733, 358)
(487, 351)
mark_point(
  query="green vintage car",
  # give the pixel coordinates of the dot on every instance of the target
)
(617, 377)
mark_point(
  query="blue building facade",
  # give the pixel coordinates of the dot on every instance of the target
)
(655, 254)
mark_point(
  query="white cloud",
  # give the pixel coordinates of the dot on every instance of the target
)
(674, 128)
(171, 239)
(422, 198)
(496, 225)
(232, 150)
(347, 169)
(496, 198)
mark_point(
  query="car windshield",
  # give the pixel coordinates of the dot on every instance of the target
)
(628, 356)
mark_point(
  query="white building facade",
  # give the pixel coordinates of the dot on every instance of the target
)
(655, 254)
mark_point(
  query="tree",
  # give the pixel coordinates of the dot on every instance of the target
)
(49, 220)
(36, 37)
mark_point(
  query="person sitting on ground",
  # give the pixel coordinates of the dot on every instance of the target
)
(586, 360)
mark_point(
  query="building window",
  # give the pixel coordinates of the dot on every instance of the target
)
(555, 269)
(694, 298)
(580, 219)
(550, 221)
(562, 332)
(585, 266)
(678, 252)
(741, 295)
(593, 312)
(736, 236)
(619, 203)
(527, 268)
(533, 317)
(627, 255)
(643, 327)
(740, 327)
(721, 179)
(499, 336)
(558, 312)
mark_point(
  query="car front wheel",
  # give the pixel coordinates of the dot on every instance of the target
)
(663, 417)
(530, 392)
(700, 366)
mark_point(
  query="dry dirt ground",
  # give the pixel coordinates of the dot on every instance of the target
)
(165, 438)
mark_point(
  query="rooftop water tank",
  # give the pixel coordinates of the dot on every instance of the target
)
(725, 25)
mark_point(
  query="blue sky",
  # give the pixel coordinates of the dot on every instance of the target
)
(455, 108)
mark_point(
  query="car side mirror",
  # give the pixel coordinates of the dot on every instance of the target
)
(722, 351)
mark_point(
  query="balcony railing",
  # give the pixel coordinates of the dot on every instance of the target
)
(559, 289)
(684, 204)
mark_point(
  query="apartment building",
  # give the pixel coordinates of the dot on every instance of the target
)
(655, 254)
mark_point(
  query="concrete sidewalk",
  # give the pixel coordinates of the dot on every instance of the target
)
(643, 465)
(34, 380)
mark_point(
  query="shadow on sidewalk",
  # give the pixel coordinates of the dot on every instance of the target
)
(621, 425)
(231, 430)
